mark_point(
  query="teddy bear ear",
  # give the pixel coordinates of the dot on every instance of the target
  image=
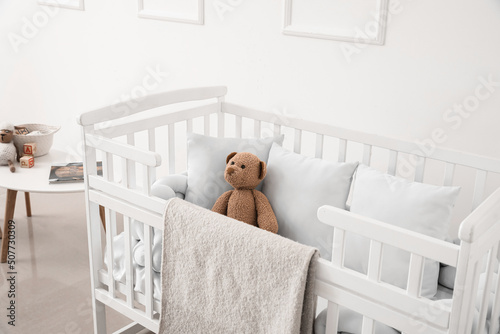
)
(263, 170)
(230, 156)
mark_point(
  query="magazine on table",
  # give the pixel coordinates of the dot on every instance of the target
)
(69, 172)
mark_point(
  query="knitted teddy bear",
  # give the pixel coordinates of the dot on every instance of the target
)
(244, 171)
(8, 151)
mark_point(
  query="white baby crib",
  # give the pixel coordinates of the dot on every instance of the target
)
(132, 137)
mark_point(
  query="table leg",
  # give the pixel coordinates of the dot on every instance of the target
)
(9, 214)
(28, 203)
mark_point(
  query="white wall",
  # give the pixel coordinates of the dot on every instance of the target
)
(434, 54)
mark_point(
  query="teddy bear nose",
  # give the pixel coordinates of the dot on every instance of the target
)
(230, 170)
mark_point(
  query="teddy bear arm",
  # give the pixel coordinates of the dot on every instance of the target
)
(221, 203)
(266, 218)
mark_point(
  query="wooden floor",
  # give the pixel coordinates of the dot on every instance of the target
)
(52, 269)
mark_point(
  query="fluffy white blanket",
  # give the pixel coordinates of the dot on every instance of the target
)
(223, 276)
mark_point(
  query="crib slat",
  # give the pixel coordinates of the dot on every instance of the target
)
(152, 139)
(238, 125)
(374, 270)
(206, 125)
(332, 313)
(420, 170)
(189, 126)
(152, 148)
(220, 125)
(338, 247)
(125, 172)
(256, 128)
(375, 260)
(342, 150)
(367, 154)
(393, 162)
(479, 188)
(368, 326)
(146, 180)
(297, 145)
(449, 174)
(277, 129)
(495, 312)
(332, 318)
(415, 275)
(107, 167)
(148, 267)
(110, 253)
(129, 274)
(131, 163)
(319, 146)
(108, 174)
(483, 311)
(171, 148)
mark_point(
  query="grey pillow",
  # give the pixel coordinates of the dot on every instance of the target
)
(207, 161)
(297, 186)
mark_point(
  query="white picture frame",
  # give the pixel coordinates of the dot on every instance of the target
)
(69, 4)
(192, 18)
(357, 33)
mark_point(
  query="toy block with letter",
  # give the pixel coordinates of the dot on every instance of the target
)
(21, 130)
(27, 161)
(29, 148)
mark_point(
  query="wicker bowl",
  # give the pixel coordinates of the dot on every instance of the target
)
(43, 141)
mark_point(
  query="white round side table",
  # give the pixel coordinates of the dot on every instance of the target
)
(31, 180)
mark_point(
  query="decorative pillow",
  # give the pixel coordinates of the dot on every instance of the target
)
(207, 161)
(415, 206)
(297, 186)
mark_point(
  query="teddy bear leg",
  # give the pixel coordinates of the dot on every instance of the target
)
(11, 166)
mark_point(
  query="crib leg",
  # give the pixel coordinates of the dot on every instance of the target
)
(99, 315)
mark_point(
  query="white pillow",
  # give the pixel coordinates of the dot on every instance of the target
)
(207, 162)
(419, 207)
(297, 186)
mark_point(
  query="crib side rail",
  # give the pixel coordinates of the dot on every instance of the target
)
(388, 234)
(120, 200)
(366, 294)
